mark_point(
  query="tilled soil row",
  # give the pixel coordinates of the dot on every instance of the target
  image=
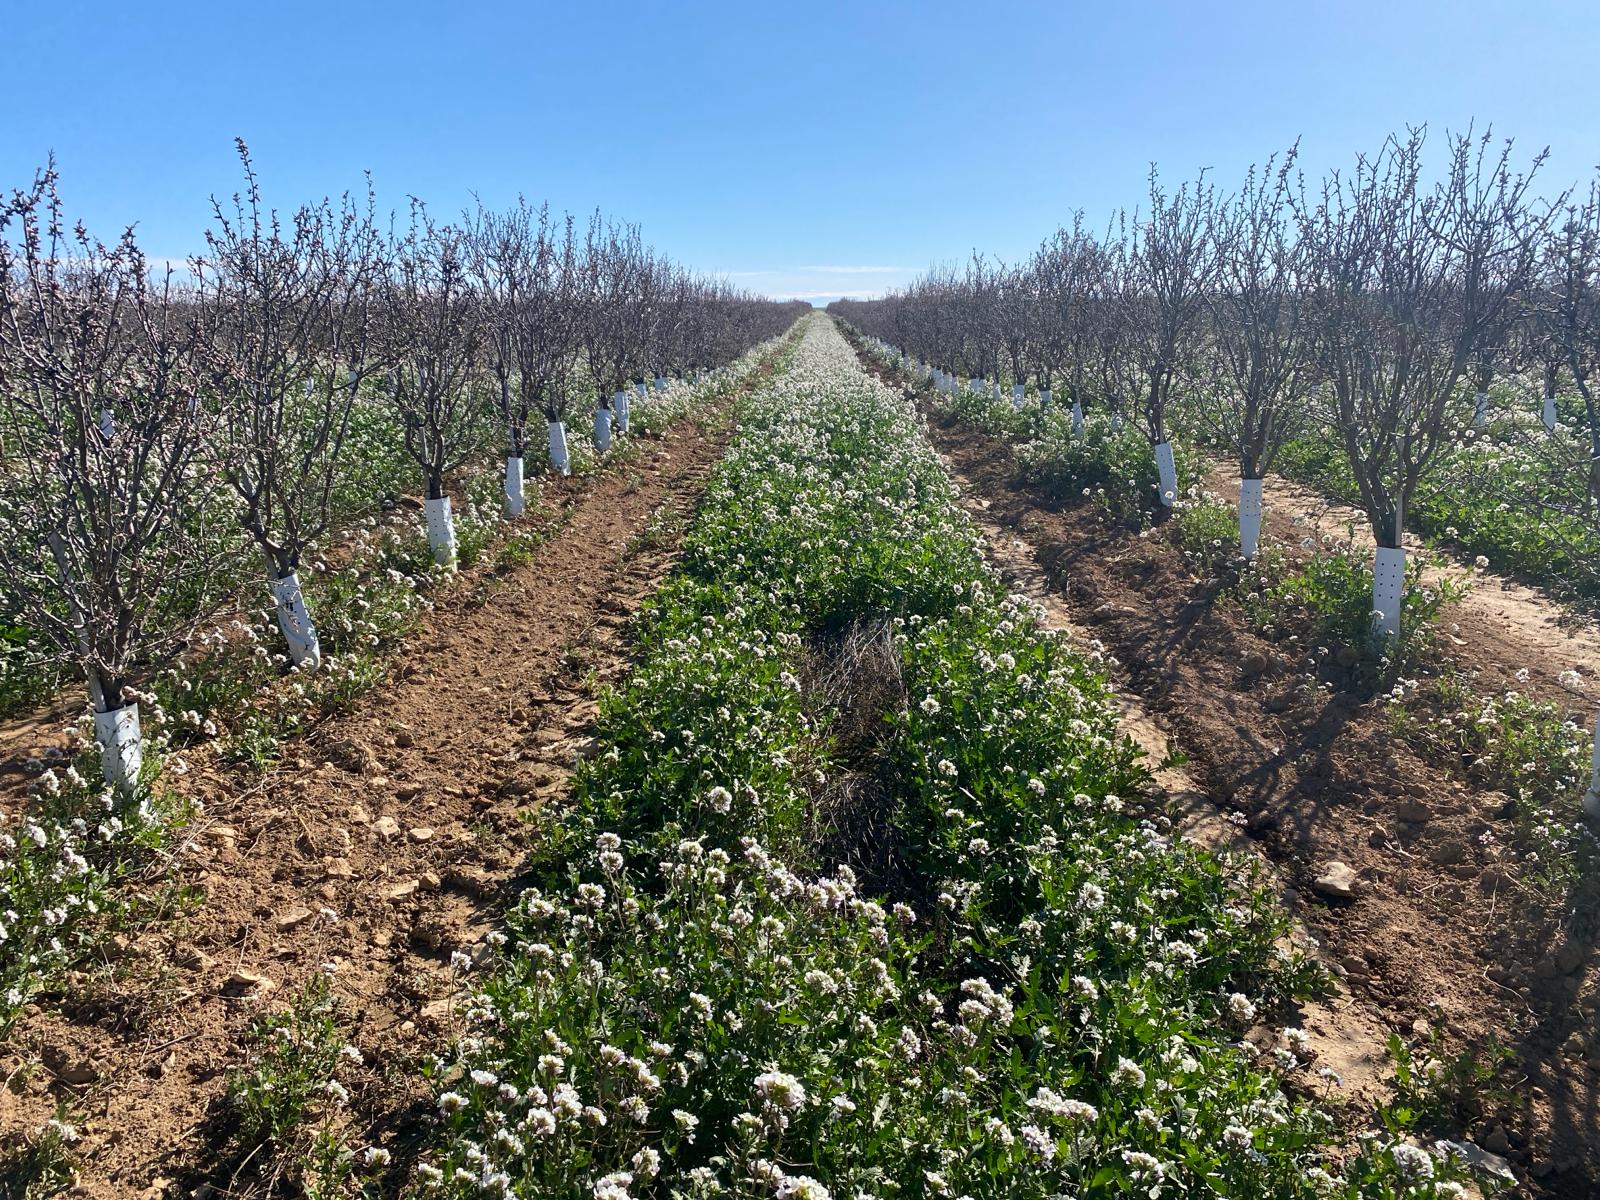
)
(386, 846)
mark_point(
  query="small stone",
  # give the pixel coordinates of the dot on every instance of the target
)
(290, 918)
(192, 957)
(1480, 1159)
(386, 827)
(402, 890)
(1422, 1028)
(1414, 811)
(403, 739)
(1252, 665)
(428, 881)
(246, 983)
(68, 1067)
(471, 881)
(1497, 1141)
(1337, 881)
(1494, 880)
(421, 833)
(408, 791)
(359, 815)
(1569, 957)
(338, 868)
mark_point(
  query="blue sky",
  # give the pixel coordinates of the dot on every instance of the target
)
(804, 149)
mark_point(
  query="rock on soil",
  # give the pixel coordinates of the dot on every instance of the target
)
(1337, 881)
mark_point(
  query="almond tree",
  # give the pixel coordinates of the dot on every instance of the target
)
(290, 319)
(1403, 290)
(108, 501)
(524, 266)
(1016, 314)
(604, 283)
(1257, 353)
(1162, 270)
(1570, 302)
(434, 327)
(1073, 274)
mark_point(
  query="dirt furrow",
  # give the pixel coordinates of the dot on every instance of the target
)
(1343, 1033)
(386, 845)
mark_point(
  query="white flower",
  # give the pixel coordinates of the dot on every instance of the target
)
(1128, 1074)
(1413, 1164)
(1142, 1165)
(780, 1090)
(802, 1187)
(452, 1102)
(930, 705)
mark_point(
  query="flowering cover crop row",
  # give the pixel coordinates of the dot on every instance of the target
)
(1046, 999)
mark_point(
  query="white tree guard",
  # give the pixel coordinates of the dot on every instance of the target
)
(1388, 589)
(1249, 516)
(1480, 415)
(602, 428)
(294, 619)
(441, 530)
(1116, 422)
(1168, 472)
(1549, 414)
(661, 383)
(108, 424)
(121, 747)
(974, 384)
(994, 389)
(559, 458)
(1077, 416)
(1591, 800)
(1018, 392)
(516, 503)
(622, 408)
(1044, 397)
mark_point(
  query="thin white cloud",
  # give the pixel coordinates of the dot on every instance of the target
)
(832, 294)
(836, 270)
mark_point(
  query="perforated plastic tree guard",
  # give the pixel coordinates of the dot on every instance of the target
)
(441, 530)
(1388, 589)
(559, 459)
(294, 620)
